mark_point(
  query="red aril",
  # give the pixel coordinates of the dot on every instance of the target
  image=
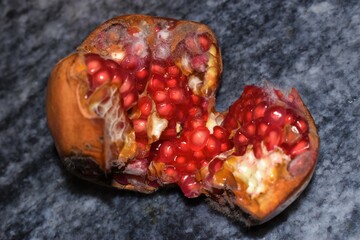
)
(198, 138)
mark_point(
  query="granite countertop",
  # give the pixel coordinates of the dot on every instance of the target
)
(311, 45)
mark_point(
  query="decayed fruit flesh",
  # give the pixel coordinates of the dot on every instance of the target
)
(133, 108)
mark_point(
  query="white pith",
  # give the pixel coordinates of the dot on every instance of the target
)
(118, 55)
(140, 48)
(194, 83)
(164, 35)
(117, 128)
(156, 126)
(185, 63)
(162, 49)
(258, 174)
(214, 119)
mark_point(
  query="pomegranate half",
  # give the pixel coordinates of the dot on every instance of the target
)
(133, 108)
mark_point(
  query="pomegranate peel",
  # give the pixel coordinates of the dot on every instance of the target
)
(133, 108)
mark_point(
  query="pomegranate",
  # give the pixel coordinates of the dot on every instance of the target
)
(133, 108)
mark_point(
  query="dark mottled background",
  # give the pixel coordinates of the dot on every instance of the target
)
(311, 45)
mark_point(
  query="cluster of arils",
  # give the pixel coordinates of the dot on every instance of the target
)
(134, 108)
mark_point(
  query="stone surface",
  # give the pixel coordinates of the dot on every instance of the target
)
(311, 45)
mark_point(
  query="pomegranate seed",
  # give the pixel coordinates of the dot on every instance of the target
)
(181, 115)
(239, 151)
(240, 139)
(199, 155)
(301, 125)
(249, 129)
(195, 112)
(291, 134)
(156, 68)
(128, 85)
(165, 110)
(252, 91)
(220, 133)
(204, 42)
(189, 186)
(140, 126)
(199, 62)
(100, 77)
(140, 87)
(259, 110)
(145, 105)
(130, 62)
(169, 133)
(258, 100)
(157, 28)
(155, 84)
(290, 117)
(176, 95)
(212, 147)
(142, 73)
(130, 100)
(141, 143)
(167, 152)
(261, 128)
(226, 146)
(184, 146)
(180, 160)
(111, 64)
(191, 166)
(273, 137)
(275, 115)
(93, 62)
(204, 164)
(299, 148)
(174, 71)
(116, 76)
(247, 115)
(230, 123)
(195, 99)
(171, 174)
(160, 96)
(198, 138)
(215, 165)
(196, 122)
(171, 83)
(257, 149)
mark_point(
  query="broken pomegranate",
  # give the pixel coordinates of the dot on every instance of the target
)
(133, 108)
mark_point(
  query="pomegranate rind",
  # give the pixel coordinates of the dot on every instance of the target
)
(74, 132)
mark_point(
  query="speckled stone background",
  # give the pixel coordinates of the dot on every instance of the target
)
(311, 45)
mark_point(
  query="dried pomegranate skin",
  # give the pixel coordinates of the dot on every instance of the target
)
(133, 108)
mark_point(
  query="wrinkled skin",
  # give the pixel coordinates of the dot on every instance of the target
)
(133, 108)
